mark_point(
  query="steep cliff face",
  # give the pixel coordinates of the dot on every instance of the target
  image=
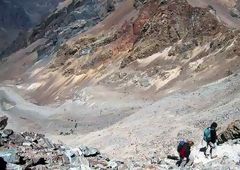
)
(74, 17)
(19, 16)
(12, 19)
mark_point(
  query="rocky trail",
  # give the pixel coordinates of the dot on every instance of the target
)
(28, 150)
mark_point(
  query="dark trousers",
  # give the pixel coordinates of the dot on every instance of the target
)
(179, 162)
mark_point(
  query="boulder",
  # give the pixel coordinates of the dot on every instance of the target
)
(112, 165)
(232, 132)
(9, 155)
(7, 132)
(3, 122)
(88, 152)
(17, 138)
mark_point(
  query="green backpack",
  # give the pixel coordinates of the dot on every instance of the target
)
(207, 134)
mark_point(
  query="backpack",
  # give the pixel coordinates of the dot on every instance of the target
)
(207, 134)
(180, 145)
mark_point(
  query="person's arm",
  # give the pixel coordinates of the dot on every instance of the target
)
(213, 136)
(215, 133)
(188, 151)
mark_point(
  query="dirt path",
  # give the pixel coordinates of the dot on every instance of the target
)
(158, 127)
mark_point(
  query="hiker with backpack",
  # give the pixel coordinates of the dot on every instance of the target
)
(184, 150)
(210, 137)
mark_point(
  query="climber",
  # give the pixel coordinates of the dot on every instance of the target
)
(210, 137)
(184, 150)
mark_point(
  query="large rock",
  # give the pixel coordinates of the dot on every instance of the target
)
(7, 132)
(3, 122)
(9, 155)
(88, 152)
(17, 138)
(232, 132)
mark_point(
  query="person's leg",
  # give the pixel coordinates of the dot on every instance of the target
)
(205, 152)
(187, 161)
(191, 157)
(212, 146)
(179, 162)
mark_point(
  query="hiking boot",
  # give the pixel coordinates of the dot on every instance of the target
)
(178, 163)
(215, 156)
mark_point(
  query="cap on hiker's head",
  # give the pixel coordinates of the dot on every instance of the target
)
(214, 125)
(191, 143)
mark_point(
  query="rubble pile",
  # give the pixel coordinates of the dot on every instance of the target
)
(28, 150)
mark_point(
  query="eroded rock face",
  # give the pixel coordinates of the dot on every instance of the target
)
(165, 23)
(232, 132)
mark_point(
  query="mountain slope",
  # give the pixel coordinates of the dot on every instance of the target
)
(120, 75)
(19, 16)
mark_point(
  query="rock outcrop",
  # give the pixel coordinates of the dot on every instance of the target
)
(3, 122)
(231, 132)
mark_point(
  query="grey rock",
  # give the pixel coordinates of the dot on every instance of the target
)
(3, 122)
(14, 167)
(145, 83)
(9, 155)
(88, 152)
(17, 138)
(48, 143)
(66, 159)
(155, 160)
(232, 132)
(113, 165)
(235, 13)
(7, 132)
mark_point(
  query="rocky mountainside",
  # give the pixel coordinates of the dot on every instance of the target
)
(193, 39)
(119, 75)
(71, 18)
(19, 16)
(28, 150)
